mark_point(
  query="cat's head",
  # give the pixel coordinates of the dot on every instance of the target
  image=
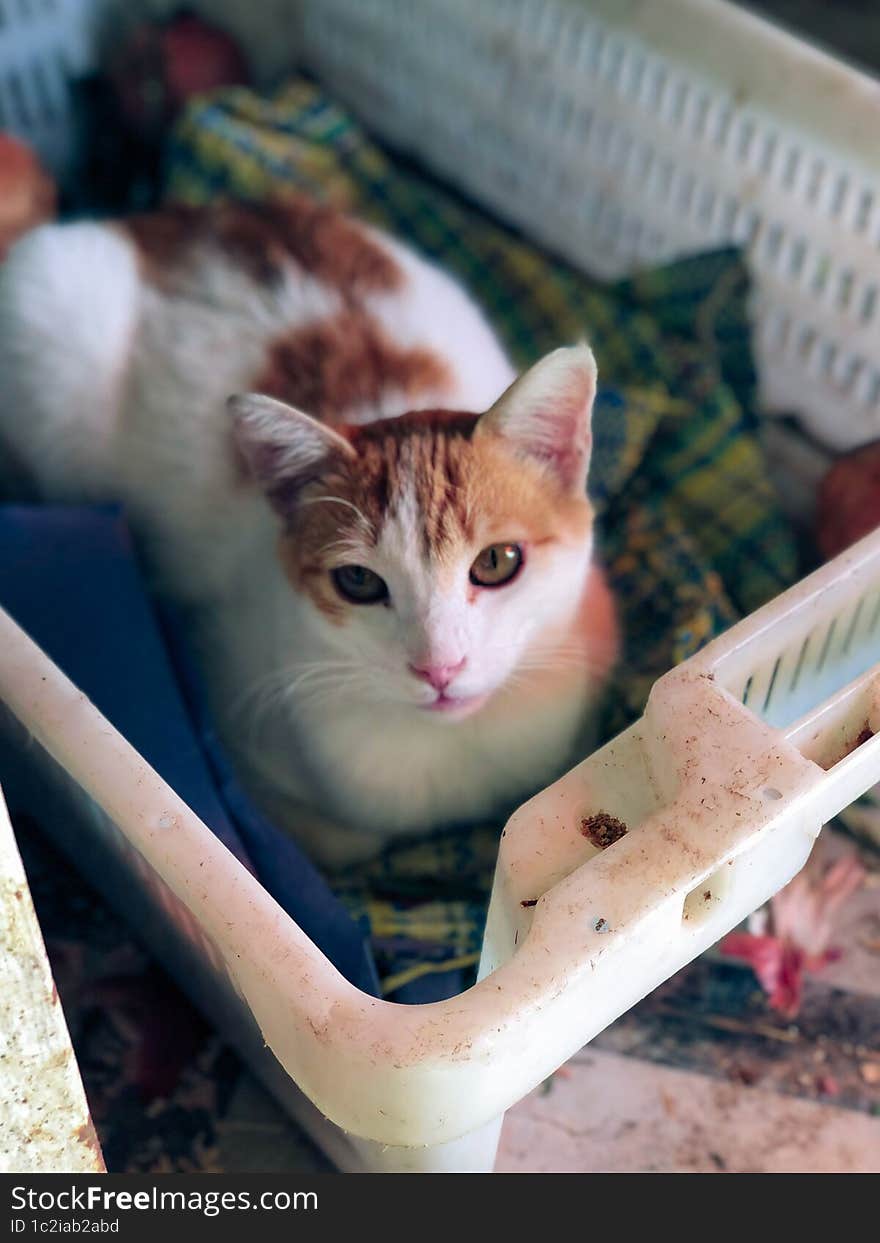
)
(442, 554)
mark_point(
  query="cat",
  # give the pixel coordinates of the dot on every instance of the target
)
(382, 541)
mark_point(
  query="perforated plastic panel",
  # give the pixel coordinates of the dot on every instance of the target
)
(608, 146)
(44, 46)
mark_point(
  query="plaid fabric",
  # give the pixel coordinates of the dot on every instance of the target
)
(689, 528)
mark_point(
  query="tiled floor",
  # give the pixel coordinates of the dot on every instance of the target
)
(618, 1114)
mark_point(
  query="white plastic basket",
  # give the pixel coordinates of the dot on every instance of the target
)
(587, 125)
(743, 753)
(616, 134)
(45, 45)
(623, 134)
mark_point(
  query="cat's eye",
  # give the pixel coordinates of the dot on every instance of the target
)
(359, 585)
(497, 565)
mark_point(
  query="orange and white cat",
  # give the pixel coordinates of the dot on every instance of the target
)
(384, 548)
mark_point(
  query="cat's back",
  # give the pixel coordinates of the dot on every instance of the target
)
(120, 342)
(69, 299)
(332, 316)
(139, 329)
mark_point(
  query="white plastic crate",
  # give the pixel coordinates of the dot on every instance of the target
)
(622, 134)
(743, 753)
(593, 127)
(45, 45)
(618, 135)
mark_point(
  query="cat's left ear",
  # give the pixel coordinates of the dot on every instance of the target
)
(284, 448)
(545, 415)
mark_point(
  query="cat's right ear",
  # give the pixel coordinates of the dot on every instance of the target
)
(282, 448)
(545, 415)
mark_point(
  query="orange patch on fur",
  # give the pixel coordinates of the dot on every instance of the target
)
(264, 237)
(330, 367)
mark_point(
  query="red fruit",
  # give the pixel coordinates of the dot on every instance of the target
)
(161, 66)
(849, 500)
(827, 1085)
(27, 192)
(199, 58)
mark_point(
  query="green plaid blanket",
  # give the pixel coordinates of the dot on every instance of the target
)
(690, 531)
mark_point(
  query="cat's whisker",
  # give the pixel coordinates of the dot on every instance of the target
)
(312, 678)
(283, 682)
(570, 659)
(261, 686)
(561, 662)
(354, 548)
(358, 680)
(581, 666)
(340, 500)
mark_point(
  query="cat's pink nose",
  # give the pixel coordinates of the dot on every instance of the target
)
(438, 676)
